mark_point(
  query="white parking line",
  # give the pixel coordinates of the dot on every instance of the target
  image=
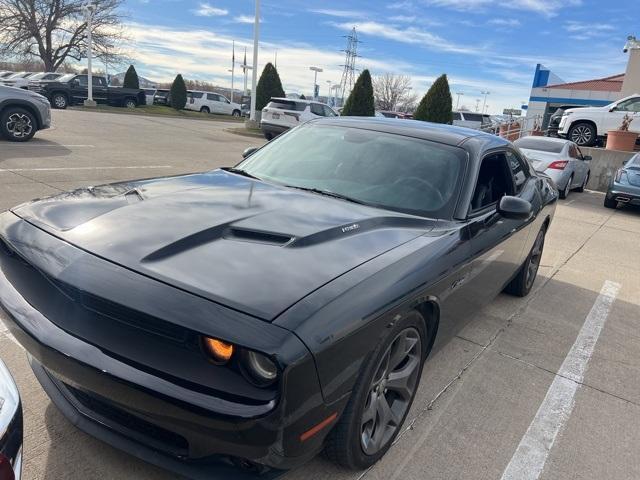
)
(53, 145)
(531, 455)
(55, 169)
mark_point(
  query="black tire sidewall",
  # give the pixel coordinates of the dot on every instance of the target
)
(355, 456)
(594, 133)
(3, 122)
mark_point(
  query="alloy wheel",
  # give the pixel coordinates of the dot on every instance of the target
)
(534, 260)
(567, 189)
(19, 125)
(581, 135)
(60, 101)
(391, 391)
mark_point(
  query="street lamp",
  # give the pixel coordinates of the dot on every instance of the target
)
(254, 76)
(458, 101)
(89, 10)
(484, 104)
(315, 81)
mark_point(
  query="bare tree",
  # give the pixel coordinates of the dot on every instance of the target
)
(393, 92)
(56, 30)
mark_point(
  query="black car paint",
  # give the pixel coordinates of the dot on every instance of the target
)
(76, 93)
(11, 424)
(304, 288)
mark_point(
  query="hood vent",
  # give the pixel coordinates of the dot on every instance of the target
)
(257, 236)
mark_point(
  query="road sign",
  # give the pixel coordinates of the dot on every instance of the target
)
(512, 111)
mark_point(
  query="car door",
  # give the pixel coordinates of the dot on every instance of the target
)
(100, 91)
(497, 243)
(225, 105)
(578, 166)
(79, 88)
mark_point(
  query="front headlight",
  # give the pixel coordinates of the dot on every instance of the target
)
(261, 369)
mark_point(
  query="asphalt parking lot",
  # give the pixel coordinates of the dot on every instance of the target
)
(549, 383)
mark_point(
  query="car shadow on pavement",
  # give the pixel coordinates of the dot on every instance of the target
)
(35, 148)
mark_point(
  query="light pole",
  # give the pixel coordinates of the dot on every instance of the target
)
(458, 101)
(89, 10)
(254, 76)
(477, 104)
(315, 81)
(484, 103)
(233, 67)
(329, 82)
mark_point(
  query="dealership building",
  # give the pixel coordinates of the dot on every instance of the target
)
(549, 92)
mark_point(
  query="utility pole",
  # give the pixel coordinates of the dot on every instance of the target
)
(254, 77)
(458, 100)
(233, 67)
(89, 9)
(484, 104)
(477, 104)
(315, 81)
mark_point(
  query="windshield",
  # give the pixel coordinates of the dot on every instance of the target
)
(380, 169)
(67, 77)
(539, 144)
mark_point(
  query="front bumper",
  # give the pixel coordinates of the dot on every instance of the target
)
(10, 424)
(188, 429)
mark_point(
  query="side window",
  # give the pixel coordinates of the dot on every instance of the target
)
(631, 105)
(519, 170)
(211, 96)
(82, 80)
(328, 112)
(494, 182)
(573, 152)
(456, 116)
(197, 94)
(97, 81)
(317, 109)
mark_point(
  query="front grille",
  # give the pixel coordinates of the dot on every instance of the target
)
(130, 425)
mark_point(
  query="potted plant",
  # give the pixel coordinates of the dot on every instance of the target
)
(510, 130)
(622, 139)
(537, 129)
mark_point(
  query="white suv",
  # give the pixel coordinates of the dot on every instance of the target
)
(586, 124)
(281, 114)
(210, 102)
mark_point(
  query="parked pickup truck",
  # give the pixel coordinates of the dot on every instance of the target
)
(72, 89)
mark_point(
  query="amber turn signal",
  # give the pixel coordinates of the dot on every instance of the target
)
(220, 351)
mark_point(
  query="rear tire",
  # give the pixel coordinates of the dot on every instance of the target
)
(610, 202)
(59, 101)
(130, 103)
(584, 184)
(236, 113)
(522, 284)
(376, 410)
(268, 135)
(205, 110)
(17, 124)
(583, 133)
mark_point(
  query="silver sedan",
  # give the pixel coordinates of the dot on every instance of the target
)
(561, 159)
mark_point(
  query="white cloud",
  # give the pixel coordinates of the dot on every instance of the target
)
(405, 5)
(403, 18)
(548, 8)
(505, 22)
(208, 10)
(412, 35)
(587, 31)
(339, 13)
(245, 19)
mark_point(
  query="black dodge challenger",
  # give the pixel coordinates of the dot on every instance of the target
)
(253, 316)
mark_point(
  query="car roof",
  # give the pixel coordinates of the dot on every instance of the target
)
(544, 139)
(300, 100)
(436, 132)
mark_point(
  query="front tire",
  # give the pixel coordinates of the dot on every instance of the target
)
(268, 135)
(382, 396)
(236, 113)
(522, 284)
(584, 184)
(130, 103)
(582, 133)
(18, 124)
(564, 193)
(204, 110)
(59, 101)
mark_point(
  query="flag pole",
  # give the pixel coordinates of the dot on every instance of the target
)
(233, 67)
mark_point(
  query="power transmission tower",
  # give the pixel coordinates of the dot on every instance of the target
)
(349, 67)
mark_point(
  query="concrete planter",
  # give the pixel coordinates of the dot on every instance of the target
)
(510, 131)
(621, 141)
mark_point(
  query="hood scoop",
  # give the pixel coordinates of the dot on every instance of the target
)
(256, 236)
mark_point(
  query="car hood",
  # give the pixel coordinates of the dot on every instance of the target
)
(587, 110)
(246, 244)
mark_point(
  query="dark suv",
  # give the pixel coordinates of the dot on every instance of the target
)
(72, 89)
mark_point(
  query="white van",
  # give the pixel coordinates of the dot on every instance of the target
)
(281, 114)
(475, 120)
(210, 102)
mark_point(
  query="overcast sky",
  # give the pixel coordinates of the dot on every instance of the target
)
(489, 45)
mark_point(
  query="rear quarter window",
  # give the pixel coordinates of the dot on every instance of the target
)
(287, 105)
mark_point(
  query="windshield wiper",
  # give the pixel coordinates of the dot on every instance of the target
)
(239, 171)
(328, 194)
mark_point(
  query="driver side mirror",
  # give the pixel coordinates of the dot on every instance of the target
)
(586, 158)
(249, 151)
(514, 208)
